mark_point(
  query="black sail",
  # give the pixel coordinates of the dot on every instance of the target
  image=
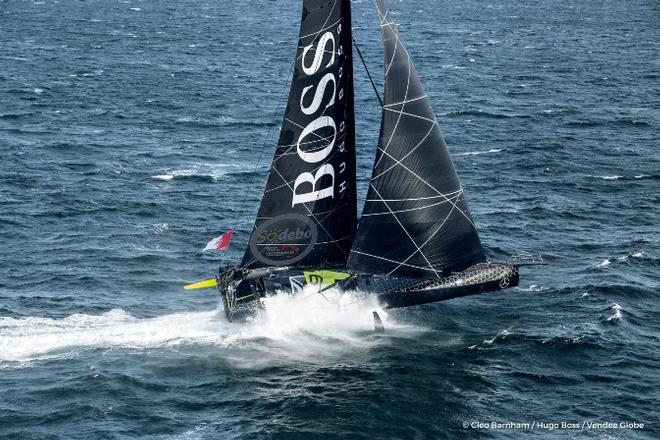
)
(416, 220)
(308, 212)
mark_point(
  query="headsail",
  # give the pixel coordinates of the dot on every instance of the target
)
(308, 212)
(415, 221)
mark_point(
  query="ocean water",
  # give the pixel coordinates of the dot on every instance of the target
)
(131, 132)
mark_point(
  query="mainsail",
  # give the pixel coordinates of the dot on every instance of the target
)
(307, 216)
(416, 220)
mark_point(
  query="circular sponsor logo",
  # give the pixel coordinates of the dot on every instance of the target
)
(284, 240)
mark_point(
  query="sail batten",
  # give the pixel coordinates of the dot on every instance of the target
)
(416, 221)
(307, 216)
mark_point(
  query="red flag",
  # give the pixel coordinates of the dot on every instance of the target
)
(221, 243)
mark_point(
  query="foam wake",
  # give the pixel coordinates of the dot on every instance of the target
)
(33, 337)
(295, 326)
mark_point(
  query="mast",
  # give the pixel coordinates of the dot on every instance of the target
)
(308, 212)
(415, 221)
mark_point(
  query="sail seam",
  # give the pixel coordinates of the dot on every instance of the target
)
(427, 241)
(288, 183)
(452, 201)
(406, 231)
(391, 261)
(396, 126)
(419, 144)
(412, 115)
(391, 63)
(383, 23)
(406, 101)
(323, 69)
(338, 135)
(467, 217)
(289, 147)
(325, 25)
(324, 213)
(397, 43)
(418, 198)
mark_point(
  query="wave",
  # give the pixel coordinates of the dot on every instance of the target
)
(622, 122)
(606, 262)
(222, 121)
(622, 258)
(622, 177)
(206, 172)
(15, 115)
(159, 228)
(563, 338)
(617, 316)
(485, 114)
(534, 288)
(504, 336)
(87, 73)
(498, 337)
(557, 378)
(555, 112)
(477, 153)
(613, 290)
(301, 327)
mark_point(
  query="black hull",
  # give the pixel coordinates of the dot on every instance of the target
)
(396, 300)
(405, 292)
(241, 293)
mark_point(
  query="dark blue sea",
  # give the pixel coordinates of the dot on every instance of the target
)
(132, 132)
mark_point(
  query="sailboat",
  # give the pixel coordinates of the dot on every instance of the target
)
(416, 241)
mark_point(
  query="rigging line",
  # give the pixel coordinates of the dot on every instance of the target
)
(368, 73)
